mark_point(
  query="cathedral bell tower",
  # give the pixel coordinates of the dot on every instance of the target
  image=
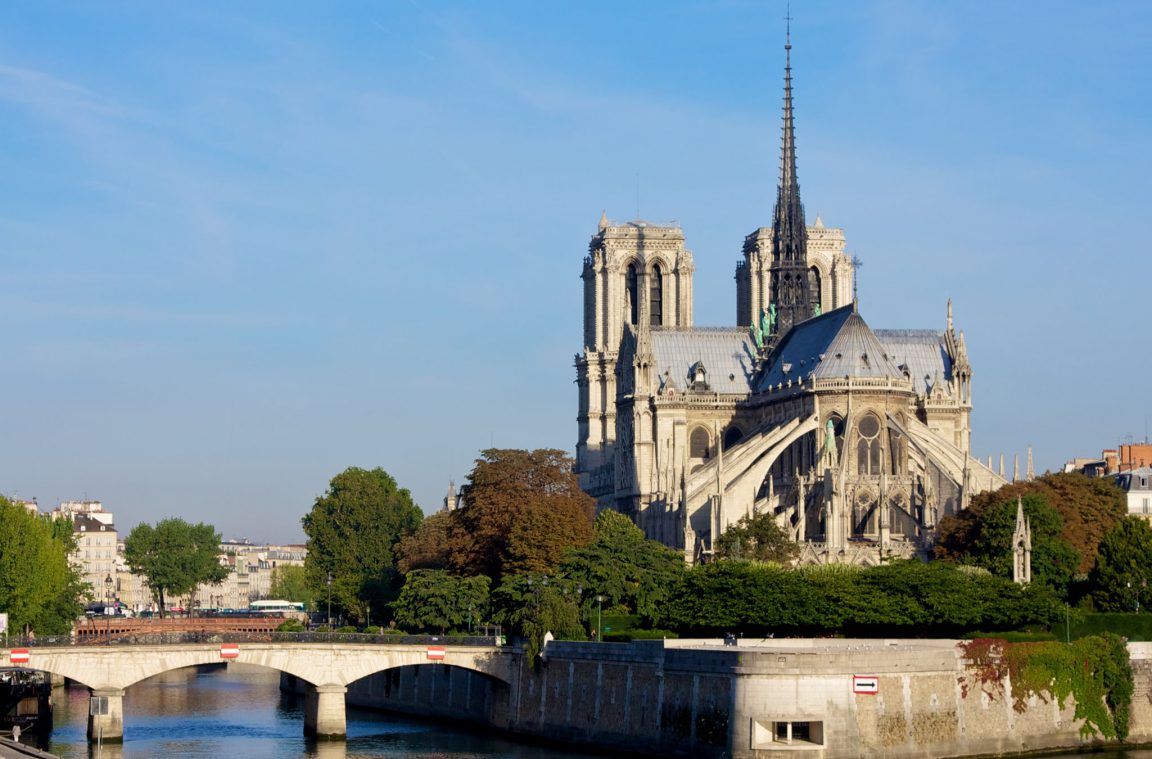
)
(637, 277)
(772, 282)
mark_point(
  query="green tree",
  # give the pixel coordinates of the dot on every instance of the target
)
(533, 605)
(522, 511)
(1088, 506)
(1123, 567)
(1054, 560)
(900, 598)
(175, 557)
(353, 531)
(290, 583)
(623, 566)
(432, 599)
(39, 589)
(757, 537)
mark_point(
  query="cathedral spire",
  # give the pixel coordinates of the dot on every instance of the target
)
(789, 237)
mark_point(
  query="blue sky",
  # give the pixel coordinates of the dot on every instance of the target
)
(246, 245)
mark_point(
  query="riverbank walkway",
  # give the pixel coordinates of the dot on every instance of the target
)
(10, 749)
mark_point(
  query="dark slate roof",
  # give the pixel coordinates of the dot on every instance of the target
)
(728, 357)
(832, 345)
(922, 351)
(85, 523)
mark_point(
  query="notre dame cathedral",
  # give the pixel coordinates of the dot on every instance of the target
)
(857, 440)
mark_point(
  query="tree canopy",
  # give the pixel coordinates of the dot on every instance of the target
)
(1088, 507)
(1123, 567)
(290, 583)
(39, 589)
(623, 566)
(436, 601)
(353, 531)
(174, 556)
(900, 598)
(757, 537)
(1054, 560)
(522, 511)
(427, 547)
(534, 605)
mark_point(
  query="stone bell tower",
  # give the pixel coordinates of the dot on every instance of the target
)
(637, 277)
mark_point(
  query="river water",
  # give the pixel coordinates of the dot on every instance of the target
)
(239, 711)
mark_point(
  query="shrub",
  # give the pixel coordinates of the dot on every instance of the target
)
(291, 626)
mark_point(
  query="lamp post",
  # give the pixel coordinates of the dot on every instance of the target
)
(329, 602)
(107, 598)
(599, 619)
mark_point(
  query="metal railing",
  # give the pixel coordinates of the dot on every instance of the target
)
(211, 636)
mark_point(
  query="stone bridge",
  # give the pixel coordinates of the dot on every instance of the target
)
(328, 667)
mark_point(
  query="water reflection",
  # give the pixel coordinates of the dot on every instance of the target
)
(239, 710)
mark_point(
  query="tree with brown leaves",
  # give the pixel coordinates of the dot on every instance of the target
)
(1089, 507)
(522, 511)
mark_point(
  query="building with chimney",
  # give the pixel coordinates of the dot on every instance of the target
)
(856, 440)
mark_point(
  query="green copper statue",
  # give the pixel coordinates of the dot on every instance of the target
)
(816, 310)
(772, 316)
(757, 337)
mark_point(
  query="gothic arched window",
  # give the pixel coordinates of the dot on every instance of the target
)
(868, 445)
(633, 295)
(655, 297)
(814, 283)
(838, 431)
(698, 444)
(732, 436)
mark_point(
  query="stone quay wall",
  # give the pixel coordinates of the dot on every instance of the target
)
(771, 698)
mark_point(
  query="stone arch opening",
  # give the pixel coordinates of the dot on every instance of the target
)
(868, 445)
(815, 290)
(656, 296)
(700, 444)
(438, 689)
(631, 288)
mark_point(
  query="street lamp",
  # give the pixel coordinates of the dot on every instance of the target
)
(329, 602)
(107, 598)
(599, 619)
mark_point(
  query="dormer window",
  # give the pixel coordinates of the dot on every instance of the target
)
(698, 376)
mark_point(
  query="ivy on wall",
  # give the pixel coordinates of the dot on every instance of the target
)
(1095, 671)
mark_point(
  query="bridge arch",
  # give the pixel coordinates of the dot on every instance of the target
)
(100, 667)
(327, 667)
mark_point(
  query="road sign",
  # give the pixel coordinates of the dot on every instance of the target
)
(19, 656)
(229, 651)
(436, 653)
(865, 684)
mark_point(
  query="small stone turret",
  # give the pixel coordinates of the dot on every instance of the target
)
(1022, 547)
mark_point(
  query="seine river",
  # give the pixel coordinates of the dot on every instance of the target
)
(240, 712)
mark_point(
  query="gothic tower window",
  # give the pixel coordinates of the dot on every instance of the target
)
(656, 291)
(868, 445)
(633, 296)
(814, 289)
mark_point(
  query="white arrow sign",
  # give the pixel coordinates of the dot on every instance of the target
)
(865, 684)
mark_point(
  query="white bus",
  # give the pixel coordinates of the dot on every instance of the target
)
(285, 608)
